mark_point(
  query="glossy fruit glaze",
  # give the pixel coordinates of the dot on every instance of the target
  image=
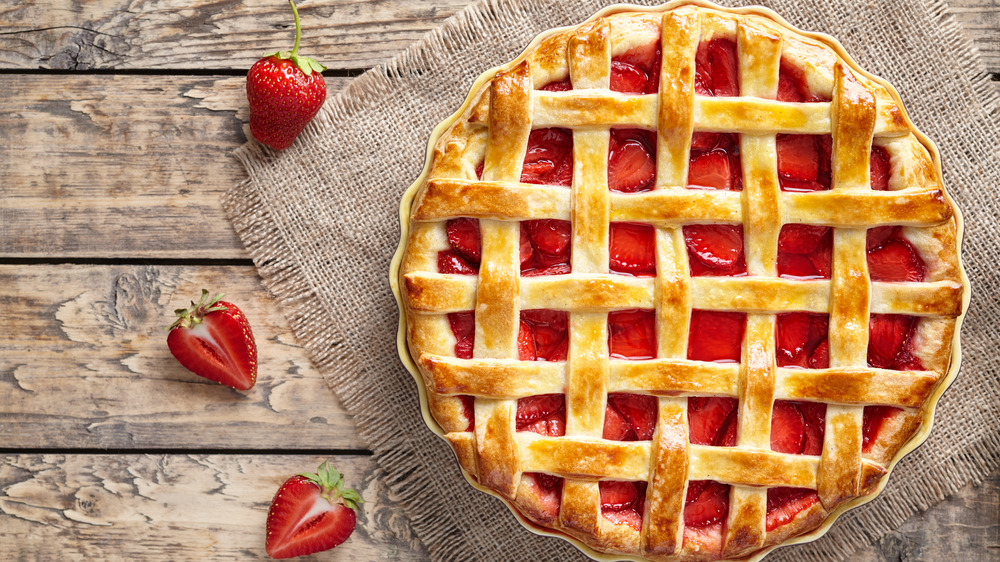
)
(804, 252)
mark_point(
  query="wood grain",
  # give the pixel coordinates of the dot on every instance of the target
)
(209, 34)
(120, 166)
(227, 34)
(175, 507)
(85, 364)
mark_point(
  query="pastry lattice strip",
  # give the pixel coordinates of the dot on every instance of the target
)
(497, 379)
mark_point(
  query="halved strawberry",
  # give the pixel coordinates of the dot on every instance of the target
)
(709, 418)
(710, 170)
(550, 332)
(879, 165)
(798, 157)
(213, 339)
(638, 410)
(449, 261)
(814, 415)
(558, 86)
(544, 414)
(616, 427)
(633, 249)
(311, 513)
(802, 238)
(622, 502)
(549, 157)
(551, 238)
(783, 504)
(463, 326)
(787, 428)
(888, 335)
(717, 68)
(707, 502)
(631, 160)
(805, 251)
(628, 79)
(464, 238)
(715, 249)
(702, 141)
(525, 343)
(878, 235)
(871, 423)
(716, 336)
(895, 260)
(820, 357)
(632, 334)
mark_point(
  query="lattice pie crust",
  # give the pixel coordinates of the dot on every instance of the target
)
(492, 129)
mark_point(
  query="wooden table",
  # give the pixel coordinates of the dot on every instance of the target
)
(117, 120)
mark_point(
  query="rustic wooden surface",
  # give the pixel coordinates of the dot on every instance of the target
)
(117, 120)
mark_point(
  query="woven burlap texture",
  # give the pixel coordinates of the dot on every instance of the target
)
(321, 223)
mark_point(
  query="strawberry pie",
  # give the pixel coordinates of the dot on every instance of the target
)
(681, 283)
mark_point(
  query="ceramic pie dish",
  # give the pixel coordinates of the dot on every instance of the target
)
(680, 283)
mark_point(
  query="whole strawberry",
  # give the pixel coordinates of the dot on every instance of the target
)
(285, 91)
(213, 339)
(311, 513)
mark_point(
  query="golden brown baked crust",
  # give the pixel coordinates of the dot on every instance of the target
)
(493, 128)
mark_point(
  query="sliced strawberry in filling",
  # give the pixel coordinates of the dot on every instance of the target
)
(637, 71)
(543, 335)
(712, 421)
(805, 251)
(892, 258)
(715, 162)
(558, 86)
(630, 417)
(548, 489)
(716, 336)
(451, 262)
(783, 504)
(544, 414)
(623, 502)
(792, 86)
(465, 252)
(717, 68)
(633, 249)
(797, 428)
(545, 247)
(469, 411)
(890, 342)
(873, 419)
(549, 158)
(631, 160)
(804, 162)
(800, 339)
(632, 334)
(715, 249)
(463, 325)
(879, 162)
(707, 503)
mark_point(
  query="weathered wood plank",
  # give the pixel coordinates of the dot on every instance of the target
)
(226, 34)
(216, 34)
(965, 526)
(120, 166)
(174, 507)
(85, 364)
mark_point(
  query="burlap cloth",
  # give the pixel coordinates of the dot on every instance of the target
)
(320, 221)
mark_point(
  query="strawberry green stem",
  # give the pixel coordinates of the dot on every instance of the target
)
(298, 29)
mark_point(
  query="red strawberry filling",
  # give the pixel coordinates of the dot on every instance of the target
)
(801, 340)
(463, 326)
(549, 158)
(783, 504)
(890, 342)
(548, 489)
(544, 414)
(469, 411)
(633, 249)
(716, 336)
(715, 162)
(630, 417)
(792, 85)
(804, 162)
(880, 170)
(717, 69)
(805, 251)
(465, 247)
(543, 335)
(623, 502)
(637, 71)
(631, 160)
(797, 428)
(873, 419)
(892, 258)
(632, 334)
(558, 86)
(545, 247)
(712, 421)
(715, 249)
